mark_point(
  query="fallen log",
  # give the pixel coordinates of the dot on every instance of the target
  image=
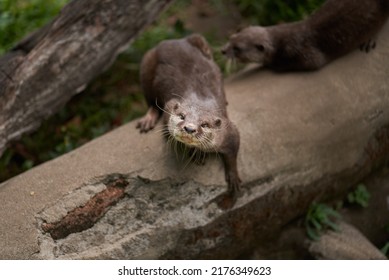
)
(42, 72)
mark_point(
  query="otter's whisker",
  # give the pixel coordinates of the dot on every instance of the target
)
(204, 156)
(162, 109)
(162, 130)
(190, 158)
(184, 153)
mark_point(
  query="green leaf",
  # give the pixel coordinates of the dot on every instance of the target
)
(312, 234)
(360, 196)
(318, 218)
(316, 224)
(332, 225)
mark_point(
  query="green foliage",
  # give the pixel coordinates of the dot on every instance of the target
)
(269, 12)
(19, 17)
(359, 196)
(318, 218)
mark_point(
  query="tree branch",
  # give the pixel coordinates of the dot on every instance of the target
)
(48, 67)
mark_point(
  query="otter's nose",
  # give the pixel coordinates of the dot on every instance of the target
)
(190, 129)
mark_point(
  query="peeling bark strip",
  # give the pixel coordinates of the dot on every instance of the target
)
(51, 65)
(84, 217)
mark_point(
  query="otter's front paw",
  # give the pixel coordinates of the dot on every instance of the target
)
(145, 124)
(367, 46)
(227, 200)
(149, 121)
(234, 184)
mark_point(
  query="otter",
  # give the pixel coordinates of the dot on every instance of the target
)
(183, 84)
(335, 29)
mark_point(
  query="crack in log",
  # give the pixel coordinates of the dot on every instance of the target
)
(259, 181)
(84, 217)
(226, 201)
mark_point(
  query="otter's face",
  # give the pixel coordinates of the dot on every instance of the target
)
(252, 44)
(191, 126)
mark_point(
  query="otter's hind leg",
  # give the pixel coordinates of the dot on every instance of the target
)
(149, 120)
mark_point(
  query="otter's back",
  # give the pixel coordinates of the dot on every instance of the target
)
(182, 68)
(341, 26)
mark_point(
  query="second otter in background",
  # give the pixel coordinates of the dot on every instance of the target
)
(182, 82)
(336, 28)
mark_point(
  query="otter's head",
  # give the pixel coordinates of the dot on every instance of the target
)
(252, 44)
(193, 126)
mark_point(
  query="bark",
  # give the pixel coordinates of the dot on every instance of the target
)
(41, 73)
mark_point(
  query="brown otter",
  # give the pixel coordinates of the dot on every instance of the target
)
(336, 28)
(182, 82)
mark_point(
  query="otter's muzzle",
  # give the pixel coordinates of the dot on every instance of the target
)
(190, 129)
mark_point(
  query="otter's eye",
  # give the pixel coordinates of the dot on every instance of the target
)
(218, 122)
(236, 50)
(205, 125)
(261, 48)
(181, 116)
(175, 107)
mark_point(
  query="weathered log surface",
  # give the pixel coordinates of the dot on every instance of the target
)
(304, 137)
(51, 65)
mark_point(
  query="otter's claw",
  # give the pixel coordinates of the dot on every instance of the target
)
(149, 121)
(145, 124)
(367, 46)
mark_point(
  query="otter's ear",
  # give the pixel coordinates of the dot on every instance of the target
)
(172, 105)
(199, 42)
(260, 47)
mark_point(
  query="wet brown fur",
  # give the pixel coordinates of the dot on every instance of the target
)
(336, 28)
(184, 70)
